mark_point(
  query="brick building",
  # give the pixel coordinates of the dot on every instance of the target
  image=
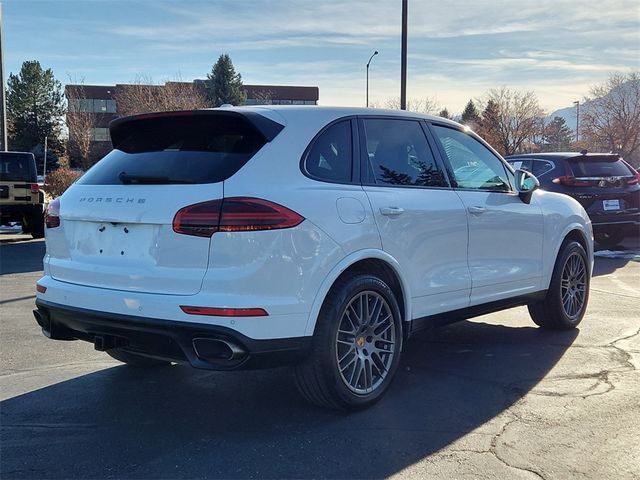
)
(100, 102)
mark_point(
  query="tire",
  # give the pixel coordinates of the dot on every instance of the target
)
(356, 347)
(609, 239)
(37, 225)
(566, 300)
(136, 360)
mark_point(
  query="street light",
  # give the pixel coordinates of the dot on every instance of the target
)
(577, 104)
(370, 58)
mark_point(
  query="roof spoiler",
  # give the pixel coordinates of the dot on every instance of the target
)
(266, 127)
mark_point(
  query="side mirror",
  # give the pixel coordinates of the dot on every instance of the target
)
(526, 183)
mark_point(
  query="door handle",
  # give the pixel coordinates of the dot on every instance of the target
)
(476, 210)
(391, 211)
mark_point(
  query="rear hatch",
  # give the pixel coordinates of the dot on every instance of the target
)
(116, 227)
(605, 185)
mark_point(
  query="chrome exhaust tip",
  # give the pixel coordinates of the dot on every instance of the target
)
(216, 350)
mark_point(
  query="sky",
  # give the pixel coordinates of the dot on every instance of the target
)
(457, 50)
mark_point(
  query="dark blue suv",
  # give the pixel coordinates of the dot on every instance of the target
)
(607, 187)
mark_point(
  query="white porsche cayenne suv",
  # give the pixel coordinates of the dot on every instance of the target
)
(322, 238)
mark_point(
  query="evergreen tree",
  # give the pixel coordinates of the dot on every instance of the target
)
(489, 127)
(53, 162)
(35, 109)
(470, 116)
(444, 113)
(557, 135)
(223, 84)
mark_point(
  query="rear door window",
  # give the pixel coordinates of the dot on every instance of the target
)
(398, 154)
(521, 164)
(540, 167)
(178, 149)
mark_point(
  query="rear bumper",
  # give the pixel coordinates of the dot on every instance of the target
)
(205, 346)
(626, 222)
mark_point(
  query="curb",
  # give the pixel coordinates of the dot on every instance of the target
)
(15, 239)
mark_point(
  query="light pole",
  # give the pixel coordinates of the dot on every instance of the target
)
(370, 58)
(403, 58)
(3, 109)
(577, 104)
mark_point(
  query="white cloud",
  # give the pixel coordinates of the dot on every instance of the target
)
(457, 50)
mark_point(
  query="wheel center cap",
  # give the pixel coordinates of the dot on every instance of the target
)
(360, 341)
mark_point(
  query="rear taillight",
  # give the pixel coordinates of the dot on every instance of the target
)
(235, 214)
(52, 215)
(570, 181)
(200, 219)
(35, 188)
(635, 180)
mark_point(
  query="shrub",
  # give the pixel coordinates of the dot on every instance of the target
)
(59, 180)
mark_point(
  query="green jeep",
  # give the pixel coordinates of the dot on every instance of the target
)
(21, 199)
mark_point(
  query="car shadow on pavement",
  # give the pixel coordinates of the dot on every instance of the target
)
(617, 257)
(605, 266)
(177, 422)
(13, 255)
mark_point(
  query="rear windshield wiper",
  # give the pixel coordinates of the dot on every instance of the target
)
(128, 179)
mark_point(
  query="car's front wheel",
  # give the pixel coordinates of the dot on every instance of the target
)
(565, 304)
(356, 346)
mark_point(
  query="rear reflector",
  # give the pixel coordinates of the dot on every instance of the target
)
(225, 312)
(235, 214)
(40, 288)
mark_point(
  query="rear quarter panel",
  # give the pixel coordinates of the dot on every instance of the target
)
(339, 220)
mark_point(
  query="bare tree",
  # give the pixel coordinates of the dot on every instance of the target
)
(610, 119)
(143, 96)
(80, 122)
(421, 105)
(514, 121)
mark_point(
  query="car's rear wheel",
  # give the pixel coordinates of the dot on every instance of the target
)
(356, 346)
(136, 360)
(37, 225)
(566, 301)
(608, 239)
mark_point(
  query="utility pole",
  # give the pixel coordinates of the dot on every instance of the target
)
(44, 166)
(403, 68)
(3, 109)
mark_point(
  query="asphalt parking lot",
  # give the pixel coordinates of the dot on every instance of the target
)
(494, 397)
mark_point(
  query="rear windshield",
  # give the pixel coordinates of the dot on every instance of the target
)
(196, 149)
(19, 167)
(599, 167)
